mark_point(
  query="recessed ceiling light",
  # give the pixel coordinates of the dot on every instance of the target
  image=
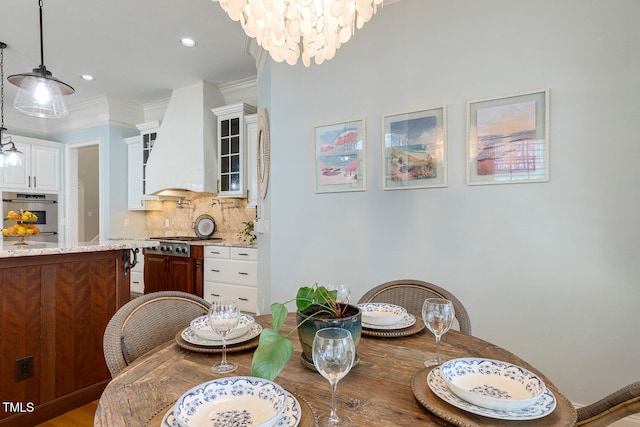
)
(188, 42)
(87, 77)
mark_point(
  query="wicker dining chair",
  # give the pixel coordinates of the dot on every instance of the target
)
(146, 322)
(617, 405)
(411, 294)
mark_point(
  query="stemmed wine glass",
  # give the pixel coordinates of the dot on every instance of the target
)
(333, 356)
(342, 289)
(224, 316)
(437, 314)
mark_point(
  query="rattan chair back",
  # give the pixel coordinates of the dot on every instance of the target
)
(411, 294)
(146, 322)
(613, 407)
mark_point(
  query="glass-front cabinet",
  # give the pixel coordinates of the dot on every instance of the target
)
(139, 147)
(232, 149)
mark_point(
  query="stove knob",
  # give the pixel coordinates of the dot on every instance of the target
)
(178, 250)
(183, 250)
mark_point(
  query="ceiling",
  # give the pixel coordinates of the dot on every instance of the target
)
(131, 47)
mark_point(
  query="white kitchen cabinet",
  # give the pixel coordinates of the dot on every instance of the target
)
(231, 273)
(251, 129)
(40, 169)
(232, 149)
(138, 149)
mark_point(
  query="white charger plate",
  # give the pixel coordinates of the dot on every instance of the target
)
(543, 407)
(291, 417)
(191, 337)
(240, 401)
(202, 327)
(408, 320)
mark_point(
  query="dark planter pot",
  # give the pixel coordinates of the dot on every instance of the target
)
(307, 330)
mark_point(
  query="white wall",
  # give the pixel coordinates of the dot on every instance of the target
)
(548, 270)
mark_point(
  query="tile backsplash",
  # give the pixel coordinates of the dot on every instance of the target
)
(178, 219)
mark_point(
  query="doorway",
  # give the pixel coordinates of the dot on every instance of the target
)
(83, 196)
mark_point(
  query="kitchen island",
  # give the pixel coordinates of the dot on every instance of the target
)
(55, 303)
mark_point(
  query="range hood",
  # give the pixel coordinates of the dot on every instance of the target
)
(184, 153)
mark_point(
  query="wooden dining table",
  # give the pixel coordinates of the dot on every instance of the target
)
(387, 387)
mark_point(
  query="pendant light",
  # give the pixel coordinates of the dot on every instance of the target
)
(40, 93)
(10, 156)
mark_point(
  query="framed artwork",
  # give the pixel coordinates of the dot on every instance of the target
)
(414, 146)
(340, 157)
(508, 139)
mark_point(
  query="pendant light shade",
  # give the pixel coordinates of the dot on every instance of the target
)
(40, 94)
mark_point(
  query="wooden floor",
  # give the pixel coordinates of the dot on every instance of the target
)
(80, 417)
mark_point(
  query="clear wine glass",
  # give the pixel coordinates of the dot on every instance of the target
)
(333, 356)
(224, 316)
(342, 289)
(438, 315)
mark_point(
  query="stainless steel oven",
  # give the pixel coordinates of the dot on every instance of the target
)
(45, 206)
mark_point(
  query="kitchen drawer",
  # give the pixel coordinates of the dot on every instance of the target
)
(247, 297)
(249, 254)
(231, 271)
(217, 251)
(137, 282)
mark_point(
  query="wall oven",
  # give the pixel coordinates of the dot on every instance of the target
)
(45, 206)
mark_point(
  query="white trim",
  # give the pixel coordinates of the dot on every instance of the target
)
(71, 178)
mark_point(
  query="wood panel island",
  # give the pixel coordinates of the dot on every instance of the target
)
(55, 303)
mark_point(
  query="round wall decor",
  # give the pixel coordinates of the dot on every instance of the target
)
(204, 226)
(264, 152)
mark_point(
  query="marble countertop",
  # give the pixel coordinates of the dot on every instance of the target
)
(8, 249)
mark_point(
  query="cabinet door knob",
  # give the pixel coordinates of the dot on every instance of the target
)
(244, 274)
(243, 299)
(243, 254)
(215, 271)
(215, 295)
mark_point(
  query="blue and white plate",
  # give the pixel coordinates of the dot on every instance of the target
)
(189, 335)
(202, 327)
(381, 314)
(541, 408)
(407, 320)
(492, 383)
(291, 417)
(237, 401)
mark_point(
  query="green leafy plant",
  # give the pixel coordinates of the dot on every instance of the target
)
(247, 234)
(274, 348)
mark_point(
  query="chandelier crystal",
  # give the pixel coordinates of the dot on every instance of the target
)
(288, 29)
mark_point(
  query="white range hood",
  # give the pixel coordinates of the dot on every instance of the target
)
(184, 153)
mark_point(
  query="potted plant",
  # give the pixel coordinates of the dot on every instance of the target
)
(247, 235)
(316, 309)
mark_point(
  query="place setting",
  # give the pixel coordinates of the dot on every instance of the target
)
(239, 400)
(232, 332)
(388, 320)
(479, 386)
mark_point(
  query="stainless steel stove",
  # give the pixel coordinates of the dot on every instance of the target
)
(173, 248)
(174, 245)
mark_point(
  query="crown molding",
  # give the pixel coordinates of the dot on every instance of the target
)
(245, 90)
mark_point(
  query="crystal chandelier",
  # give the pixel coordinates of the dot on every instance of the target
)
(288, 29)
